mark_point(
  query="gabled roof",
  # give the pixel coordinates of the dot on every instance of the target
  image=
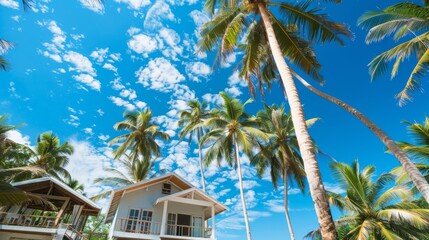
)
(196, 194)
(56, 188)
(119, 192)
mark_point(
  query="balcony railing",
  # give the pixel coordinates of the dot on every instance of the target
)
(188, 231)
(138, 226)
(28, 220)
(154, 228)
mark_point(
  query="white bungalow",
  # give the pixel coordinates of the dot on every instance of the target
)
(162, 208)
(63, 218)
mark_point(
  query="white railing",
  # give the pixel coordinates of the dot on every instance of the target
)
(138, 226)
(187, 231)
(28, 220)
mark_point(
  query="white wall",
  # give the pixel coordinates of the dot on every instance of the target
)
(145, 199)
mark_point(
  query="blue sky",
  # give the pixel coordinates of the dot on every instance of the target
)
(76, 69)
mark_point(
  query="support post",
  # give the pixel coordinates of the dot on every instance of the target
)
(164, 218)
(213, 236)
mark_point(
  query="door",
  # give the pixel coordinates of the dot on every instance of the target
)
(183, 225)
(197, 227)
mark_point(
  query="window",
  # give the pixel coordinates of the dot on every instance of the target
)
(171, 224)
(146, 218)
(166, 188)
(133, 217)
(139, 221)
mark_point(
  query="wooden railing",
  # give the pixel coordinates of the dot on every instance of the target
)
(188, 231)
(73, 234)
(138, 226)
(28, 220)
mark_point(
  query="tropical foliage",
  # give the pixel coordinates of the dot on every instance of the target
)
(232, 131)
(281, 154)
(404, 20)
(141, 137)
(278, 36)
(373, 209)
(192, 121)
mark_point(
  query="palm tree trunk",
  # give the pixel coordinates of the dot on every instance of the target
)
(409, 167)
(200, 155)
(286, 200)
(243, 201)
(311, 167)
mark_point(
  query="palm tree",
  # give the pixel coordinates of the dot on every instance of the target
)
(4, 47)
(52, 156)
(420, 134)
(412, 171)
(281, 154)
(74, 184)
(288, 37)
(10, 195)
(192, 122)
(232, 129)
(405, 19)
(420, 150)
(373, 210)
(133, 171)
(141, 137)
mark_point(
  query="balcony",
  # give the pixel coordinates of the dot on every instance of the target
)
(172, 231)
(28, 220)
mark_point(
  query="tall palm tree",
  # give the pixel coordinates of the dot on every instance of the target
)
(408, 170)
(192, 122)
(52, 156)
(299, 26)
(402, 20)
(420, 135)
(231, 131)
(419, 149)
(130, 171)
(281, 154)
(141, 137)
(373, 209)
(4, 47)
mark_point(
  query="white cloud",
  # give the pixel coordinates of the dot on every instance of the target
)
(140, 104)
(17, 137)
(100, 112)
(88, 80)
(92, 5)
(88, 131)
(233, 91)
(15, 18)
(133, 31)
(158, 12)
(87, 164)
(142, 44)
(135, 4)
(103, 137)
(110, 67)
(235, 80)
(80, 62)
(10, 4)
(248, 184)
(128, 93)
(159, 75)
(195, 70)
(199, 17)
(122, 103)
(172, 39)
(100, 54)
